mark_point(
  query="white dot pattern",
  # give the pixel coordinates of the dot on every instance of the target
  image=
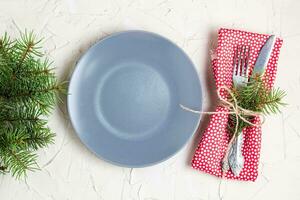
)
(214, 142)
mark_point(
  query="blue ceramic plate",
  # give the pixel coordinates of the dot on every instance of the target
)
(124, 98)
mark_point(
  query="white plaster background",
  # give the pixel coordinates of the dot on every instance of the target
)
(71, 172)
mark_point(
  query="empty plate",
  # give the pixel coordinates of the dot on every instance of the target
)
(125, 95)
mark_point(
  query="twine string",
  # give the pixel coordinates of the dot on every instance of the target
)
(235, 109)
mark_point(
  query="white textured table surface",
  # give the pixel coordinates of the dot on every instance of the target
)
(70, 171)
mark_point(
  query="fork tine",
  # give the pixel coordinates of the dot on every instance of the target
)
(239, 65)
(243, 62)
(247, 61)
(235, 61)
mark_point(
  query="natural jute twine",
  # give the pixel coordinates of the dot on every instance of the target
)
(235, 109)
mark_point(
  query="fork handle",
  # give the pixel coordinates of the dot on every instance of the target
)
(236, 158)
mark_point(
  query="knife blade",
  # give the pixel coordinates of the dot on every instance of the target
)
(264, 56)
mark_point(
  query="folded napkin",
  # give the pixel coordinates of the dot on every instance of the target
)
(211, 149)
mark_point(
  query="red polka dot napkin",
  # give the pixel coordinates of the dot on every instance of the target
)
(214, 142)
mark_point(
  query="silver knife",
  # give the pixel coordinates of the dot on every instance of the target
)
(236, 159)
(264, 56)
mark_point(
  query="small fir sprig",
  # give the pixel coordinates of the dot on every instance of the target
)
(256, 97)
(28, 93)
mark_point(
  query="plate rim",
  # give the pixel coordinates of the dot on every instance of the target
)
(76, 68)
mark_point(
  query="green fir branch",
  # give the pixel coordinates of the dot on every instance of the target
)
(257, 97)
(28, 92)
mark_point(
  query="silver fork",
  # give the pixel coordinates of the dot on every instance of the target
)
(240, 79)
